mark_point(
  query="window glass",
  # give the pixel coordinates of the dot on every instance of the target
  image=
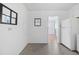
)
(13, 20)
(5, 19)
(6, 11)
(13, 14)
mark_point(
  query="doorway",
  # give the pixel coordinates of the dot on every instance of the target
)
(53, 29)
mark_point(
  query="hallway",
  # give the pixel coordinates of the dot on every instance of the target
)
(52, 48)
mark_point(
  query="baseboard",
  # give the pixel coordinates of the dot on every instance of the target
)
(37, 43)
(23, 48)
(67, 47)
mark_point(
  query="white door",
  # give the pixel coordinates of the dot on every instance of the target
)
(54, 26)
(51, 25)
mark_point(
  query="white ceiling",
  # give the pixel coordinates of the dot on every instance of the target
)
(49, 6)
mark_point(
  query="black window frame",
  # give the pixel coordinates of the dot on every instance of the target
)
(1, 8)
(35, 19)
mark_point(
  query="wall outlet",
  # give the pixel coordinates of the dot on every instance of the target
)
(9, 29)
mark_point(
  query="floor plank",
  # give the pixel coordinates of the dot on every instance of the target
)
(52, 48)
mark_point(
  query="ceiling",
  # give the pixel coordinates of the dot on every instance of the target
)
(49, 6)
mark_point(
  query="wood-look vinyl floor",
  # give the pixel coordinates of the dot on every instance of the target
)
(52, 48)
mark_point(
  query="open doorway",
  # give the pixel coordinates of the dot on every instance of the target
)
(53, 29)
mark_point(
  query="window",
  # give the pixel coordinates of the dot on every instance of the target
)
(37, 21)
(7, 15)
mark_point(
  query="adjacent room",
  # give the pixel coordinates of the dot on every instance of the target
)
(39, 29)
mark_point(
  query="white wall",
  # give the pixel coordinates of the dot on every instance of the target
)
(74, 11)
(40, 34)
(13, 38)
